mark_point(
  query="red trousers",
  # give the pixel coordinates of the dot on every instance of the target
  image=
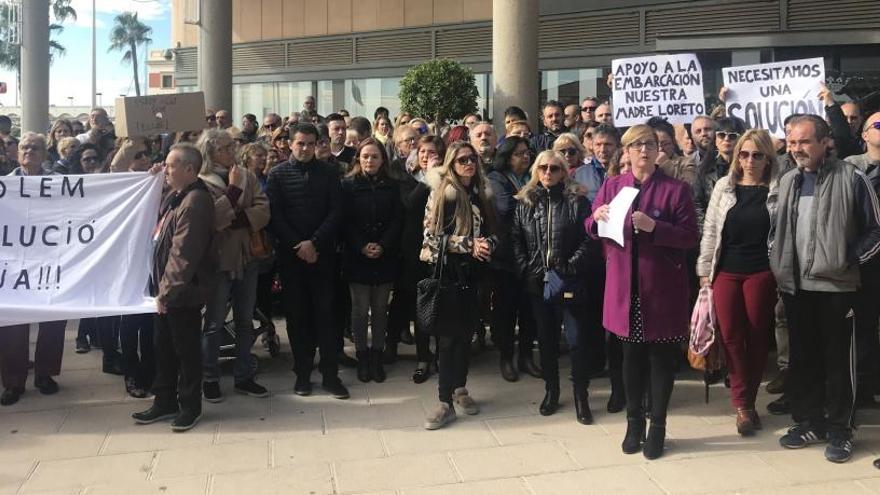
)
(15, 346)
(744, 306)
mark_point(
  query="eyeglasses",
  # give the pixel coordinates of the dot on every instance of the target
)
(588, 109)
(552, 168)
(89, 159)
(467, 160)
(569, 151)
(270, 126)
(647, 145)
(724, 135)
(409, 140)
(757, 156)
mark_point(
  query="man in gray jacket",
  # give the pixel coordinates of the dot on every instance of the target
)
(827, 224)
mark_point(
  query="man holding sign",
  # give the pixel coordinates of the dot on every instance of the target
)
(668, 86)
(14, 339)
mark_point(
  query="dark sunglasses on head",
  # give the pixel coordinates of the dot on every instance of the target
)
(569, 151)
(588, 109)
(724, 135)
(467, 160)
(756, 155)
(552, 168)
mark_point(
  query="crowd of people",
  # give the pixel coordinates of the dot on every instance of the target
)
(345, 217)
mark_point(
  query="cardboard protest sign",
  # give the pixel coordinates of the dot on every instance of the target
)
(764, 95)
(76, 246)
(144, 115)
(668, 86)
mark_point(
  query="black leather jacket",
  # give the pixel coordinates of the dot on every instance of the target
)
(713, 167)
(550, 222)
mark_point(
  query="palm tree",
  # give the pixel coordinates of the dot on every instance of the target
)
(127, 35)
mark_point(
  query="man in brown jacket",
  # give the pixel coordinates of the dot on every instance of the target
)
(184, 264)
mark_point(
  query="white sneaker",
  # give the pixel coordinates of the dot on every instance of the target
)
(442, 416)
(465, 401)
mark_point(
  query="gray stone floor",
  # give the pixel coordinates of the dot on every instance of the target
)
(82, 441)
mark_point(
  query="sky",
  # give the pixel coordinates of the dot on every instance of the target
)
(70, 75)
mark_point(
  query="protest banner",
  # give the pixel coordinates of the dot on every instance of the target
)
(764, 95)
(75, 246)
(668, 86)
(145, 115)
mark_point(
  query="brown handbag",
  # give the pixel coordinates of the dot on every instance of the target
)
(261, 248)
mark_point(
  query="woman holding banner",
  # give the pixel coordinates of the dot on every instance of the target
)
(646, 305)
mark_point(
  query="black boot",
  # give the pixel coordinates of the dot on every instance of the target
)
(582, 406)
(617, 400)
(527, 365)
(376, 368)
(635, 435)
(550, 404)
(508, 372)
(654, 444)
(363, 366)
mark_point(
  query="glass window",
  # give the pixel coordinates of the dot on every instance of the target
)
(571, 86)
(291, 96)
(363, 96)
(258, 99)
(167, 81)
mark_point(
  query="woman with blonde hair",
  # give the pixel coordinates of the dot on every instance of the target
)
(60, 129)
(734, 261)
(569, 146)
(646, 303)
(551, 252)
(382, 129)
(241, 208)
(459, 227)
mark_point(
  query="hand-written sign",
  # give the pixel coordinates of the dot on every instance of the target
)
(764, 95)
(76, 245)
(668, 86)
(144, 115)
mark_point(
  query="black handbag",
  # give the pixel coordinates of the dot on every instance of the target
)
(445, 306)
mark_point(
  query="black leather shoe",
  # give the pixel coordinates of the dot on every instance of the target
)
(654, 444)
(185, 421)
(155, 413)
(112, 367)
(780, 406)
(46, 385)
(877, 463)
(376, 369)
(421, 375)
(335, 388)
(582, 407)
(11, 395)
(508, 372)
(616, 402)
(303, 386)
(635, 435)
(550, 404)
(528, 365)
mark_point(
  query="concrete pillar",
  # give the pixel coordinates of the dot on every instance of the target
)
(515, 58)
(35, 66)
(215, 53)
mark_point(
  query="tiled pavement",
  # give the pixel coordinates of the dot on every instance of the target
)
(82, 441)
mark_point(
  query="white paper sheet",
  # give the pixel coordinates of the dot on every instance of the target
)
(617, 212)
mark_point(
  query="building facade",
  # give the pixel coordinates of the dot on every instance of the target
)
(160, 72)
(352, 53)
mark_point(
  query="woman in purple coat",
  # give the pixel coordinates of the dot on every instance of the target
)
(646, 289)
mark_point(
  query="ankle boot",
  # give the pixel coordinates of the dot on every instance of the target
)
(617, 400)
(376, 369)
(582, 406)
(635, 435)
(363, 366)
(550, 404)
(654, 444)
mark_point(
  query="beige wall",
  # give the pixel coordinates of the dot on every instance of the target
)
(260, 20)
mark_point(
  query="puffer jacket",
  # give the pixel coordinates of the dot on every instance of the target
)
(504, 188)
(237, 213)
(372, 212)
(723, 199)
(709, 172)
(548, 233)
(305, 204)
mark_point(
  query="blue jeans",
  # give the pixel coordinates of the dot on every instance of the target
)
(244, 295)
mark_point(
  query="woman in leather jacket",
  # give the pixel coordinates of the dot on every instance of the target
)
(551, 248)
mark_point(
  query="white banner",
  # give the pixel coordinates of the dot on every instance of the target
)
(75, 246)
(668, 86)
(764, 95)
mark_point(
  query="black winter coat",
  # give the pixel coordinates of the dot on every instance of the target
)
(503, 191)
(556, 216)
(306, 204)
(372, 212)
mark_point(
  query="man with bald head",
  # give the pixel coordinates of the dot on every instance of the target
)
(483, 137)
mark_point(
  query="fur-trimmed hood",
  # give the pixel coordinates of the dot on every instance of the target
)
(569, 192)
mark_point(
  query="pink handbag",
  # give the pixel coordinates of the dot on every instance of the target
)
(703, 324)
